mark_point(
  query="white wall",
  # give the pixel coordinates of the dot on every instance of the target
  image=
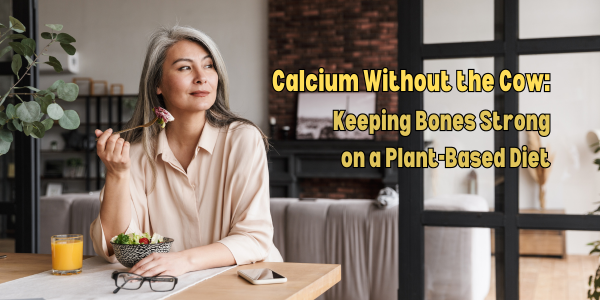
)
(573, 102)
(112, 36)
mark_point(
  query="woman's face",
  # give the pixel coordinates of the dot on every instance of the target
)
(189, 80)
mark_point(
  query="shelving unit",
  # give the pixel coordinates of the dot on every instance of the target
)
(98, 111)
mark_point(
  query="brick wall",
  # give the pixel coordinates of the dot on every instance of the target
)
(342, 37)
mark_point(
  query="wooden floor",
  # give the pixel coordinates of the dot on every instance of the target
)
(552, 278)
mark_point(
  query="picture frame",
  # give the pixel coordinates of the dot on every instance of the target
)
(315, 114)
(54, 189)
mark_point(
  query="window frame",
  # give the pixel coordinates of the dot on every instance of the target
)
(506, 219)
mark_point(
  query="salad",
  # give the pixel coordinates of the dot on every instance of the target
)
(137, 239)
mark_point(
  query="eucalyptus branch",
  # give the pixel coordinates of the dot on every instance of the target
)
(28, 68)
(12, 94)
(7, 31)
(28, 116)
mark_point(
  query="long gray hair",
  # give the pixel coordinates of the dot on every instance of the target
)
(219, 115)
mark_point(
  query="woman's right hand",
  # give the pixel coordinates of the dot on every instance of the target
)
(113, 151)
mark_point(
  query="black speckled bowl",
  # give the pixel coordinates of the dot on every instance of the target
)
(129, 255)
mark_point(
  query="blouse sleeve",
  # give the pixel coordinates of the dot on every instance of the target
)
(139, 211)
(247, 185)
(99, 239)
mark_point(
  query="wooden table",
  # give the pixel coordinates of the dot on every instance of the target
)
(305, 281)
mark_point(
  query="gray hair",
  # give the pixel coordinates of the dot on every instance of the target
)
(219, 115)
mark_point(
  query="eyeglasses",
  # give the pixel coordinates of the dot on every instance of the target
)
(130, 281)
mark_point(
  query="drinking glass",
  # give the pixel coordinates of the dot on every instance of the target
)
(67, 254)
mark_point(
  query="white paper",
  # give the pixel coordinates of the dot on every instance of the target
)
(94, 282)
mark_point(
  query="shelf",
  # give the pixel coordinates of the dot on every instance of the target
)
(62, 178)
(94, 125)
(65, 151)
(69, 178)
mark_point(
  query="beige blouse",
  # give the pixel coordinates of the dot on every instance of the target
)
(223, 197)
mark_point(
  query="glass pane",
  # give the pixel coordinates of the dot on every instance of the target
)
(556, 18)
(458, 21)
(441, 181)
(571, 186)
(546, 274)
(459, 263)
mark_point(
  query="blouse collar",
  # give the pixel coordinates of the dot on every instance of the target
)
(208, 140)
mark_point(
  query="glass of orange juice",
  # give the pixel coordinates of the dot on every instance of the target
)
(67, 254)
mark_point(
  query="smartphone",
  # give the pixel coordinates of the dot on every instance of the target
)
(262, 276)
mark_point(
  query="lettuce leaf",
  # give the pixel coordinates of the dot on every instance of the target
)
(134, 238)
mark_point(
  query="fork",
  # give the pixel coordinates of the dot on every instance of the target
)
(145, 125)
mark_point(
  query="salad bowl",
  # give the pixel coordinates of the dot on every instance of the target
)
(130, 254)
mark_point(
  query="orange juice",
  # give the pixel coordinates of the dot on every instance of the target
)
(67, 254)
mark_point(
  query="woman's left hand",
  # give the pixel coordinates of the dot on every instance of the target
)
(173, 264)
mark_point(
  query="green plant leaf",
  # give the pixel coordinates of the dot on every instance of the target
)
(17, 107)
(4, 97)
(46, 35)
(70, 120)
(54, 35)
(48, 123)
(2, 107)
(38, 130)
(2, 25)
(56, 85)
(27, 128)
(4, 147)
(32, 88)
(68, 48)
(65, 38)
(44, 102)
(16, 25)
(17, 124)
(5, 50)
(55, 64)
(68, 92)
(3, 118)
(17, 36)
(55, 111)
(6, 135)
(29, 44)
(16, 64)
(29, 60)
(10, 111)
(10, 126)
(19, 97)
(57, 27)
(17, 47)
(29, 111)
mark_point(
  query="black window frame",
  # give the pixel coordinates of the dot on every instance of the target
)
(506, 219)
(27, 158)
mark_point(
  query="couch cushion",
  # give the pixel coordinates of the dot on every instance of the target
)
(55, 218)
(382, 233)
(305, 232)
(83, 212)
(457, 260)
(346, 244)
(278, 215)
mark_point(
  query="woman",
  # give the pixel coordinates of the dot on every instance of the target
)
(203, 180)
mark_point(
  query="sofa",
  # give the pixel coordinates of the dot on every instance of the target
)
(352, 232)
